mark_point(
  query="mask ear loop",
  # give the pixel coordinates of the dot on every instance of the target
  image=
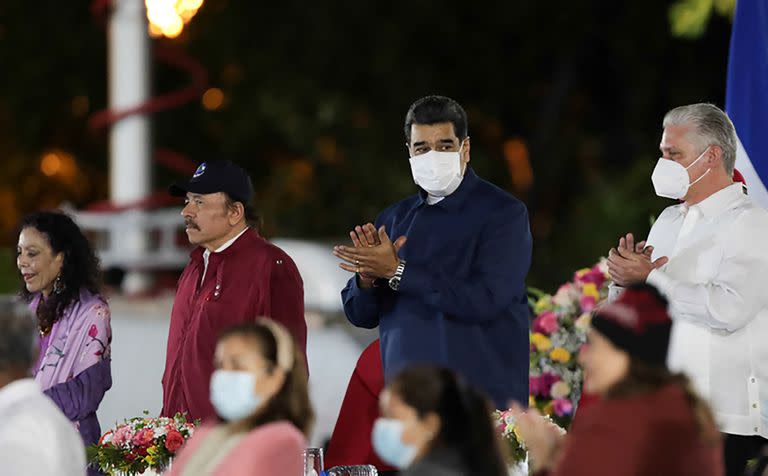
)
(694, 162)
(284, 341)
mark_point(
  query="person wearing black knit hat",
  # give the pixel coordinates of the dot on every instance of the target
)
(649, 421)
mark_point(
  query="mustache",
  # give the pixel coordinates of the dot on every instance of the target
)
(188, 222)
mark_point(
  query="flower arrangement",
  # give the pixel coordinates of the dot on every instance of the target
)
(557, 334)
(505, 426)
(139, 444)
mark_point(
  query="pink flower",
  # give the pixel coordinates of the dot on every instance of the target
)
(93, 331)
(542, 384)
(595, 275)
(546, 323)
(563, 407)
(122, 435)
(144, 438)
(587, 303)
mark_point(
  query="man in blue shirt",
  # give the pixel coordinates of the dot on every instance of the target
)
(450, 290)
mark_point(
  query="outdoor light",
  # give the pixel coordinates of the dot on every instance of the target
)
(168, 17)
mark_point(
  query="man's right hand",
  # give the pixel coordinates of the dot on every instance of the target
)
(364, 236)
(628, 247)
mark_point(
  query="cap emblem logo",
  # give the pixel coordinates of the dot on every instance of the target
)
(200, 170)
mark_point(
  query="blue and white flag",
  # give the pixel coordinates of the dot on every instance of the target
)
(746, 98)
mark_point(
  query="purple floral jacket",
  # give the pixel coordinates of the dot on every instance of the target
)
(74, 366)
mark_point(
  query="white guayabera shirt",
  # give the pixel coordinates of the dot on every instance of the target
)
(35, 437)
(716, 281)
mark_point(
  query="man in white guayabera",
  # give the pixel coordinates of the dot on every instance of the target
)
(709, 256)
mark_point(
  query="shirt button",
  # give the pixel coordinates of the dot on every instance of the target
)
(757, 429)
(216, 294)
(752, 379)
(218, 286)
(279, 261)
(754, 405)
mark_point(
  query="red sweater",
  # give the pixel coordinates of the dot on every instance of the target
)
(250, 279)
(652, 434)
(351, 440)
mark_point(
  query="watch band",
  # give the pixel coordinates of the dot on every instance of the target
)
(394, 281)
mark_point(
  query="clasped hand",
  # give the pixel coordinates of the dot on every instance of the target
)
(630, 263)
(373, 255)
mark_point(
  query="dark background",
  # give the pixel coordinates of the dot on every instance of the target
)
(565, 101)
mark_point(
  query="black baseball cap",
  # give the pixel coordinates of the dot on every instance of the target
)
(217, 176)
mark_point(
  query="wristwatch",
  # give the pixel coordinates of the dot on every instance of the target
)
(394, 281)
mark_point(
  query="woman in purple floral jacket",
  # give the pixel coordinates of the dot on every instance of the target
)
(61, 277)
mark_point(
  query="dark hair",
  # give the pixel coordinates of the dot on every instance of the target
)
(18, 339)
(644, 378)
(80, 269)
(291, 403)
(252, 218)
(465, 416)
(435, 110)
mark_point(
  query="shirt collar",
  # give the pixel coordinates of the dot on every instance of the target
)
(719, 201)
(226, 245)
(455, 200)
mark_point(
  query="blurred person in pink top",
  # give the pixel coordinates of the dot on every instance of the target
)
(259, 390)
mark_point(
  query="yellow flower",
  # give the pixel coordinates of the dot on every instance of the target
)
(152, 451)
(583, 321)
(149, 460)
(531, 401)
(590, 289)
(560, 355)
(543, 304)
(517, 434)
(541, 342)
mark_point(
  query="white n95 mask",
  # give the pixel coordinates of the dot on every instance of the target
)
(670, 179)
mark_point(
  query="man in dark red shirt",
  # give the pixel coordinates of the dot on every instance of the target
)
(234, 276)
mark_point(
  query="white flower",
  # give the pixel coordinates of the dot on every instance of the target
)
(560, 390)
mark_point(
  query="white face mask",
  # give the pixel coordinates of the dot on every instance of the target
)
(671, 180)
(233, 394)
(438, 173)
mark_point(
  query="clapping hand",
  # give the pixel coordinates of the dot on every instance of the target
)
(631, 263)
(365, 236)
(374, 254)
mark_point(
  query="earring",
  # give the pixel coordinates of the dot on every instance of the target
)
(58, 286)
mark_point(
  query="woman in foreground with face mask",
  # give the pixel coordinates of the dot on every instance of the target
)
(433, 424)
(648, 422)
(259, 390)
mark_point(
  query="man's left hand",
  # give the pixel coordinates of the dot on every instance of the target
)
(378, 261)
(631, 268)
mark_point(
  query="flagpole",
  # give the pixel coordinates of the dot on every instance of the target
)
(129, 138)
